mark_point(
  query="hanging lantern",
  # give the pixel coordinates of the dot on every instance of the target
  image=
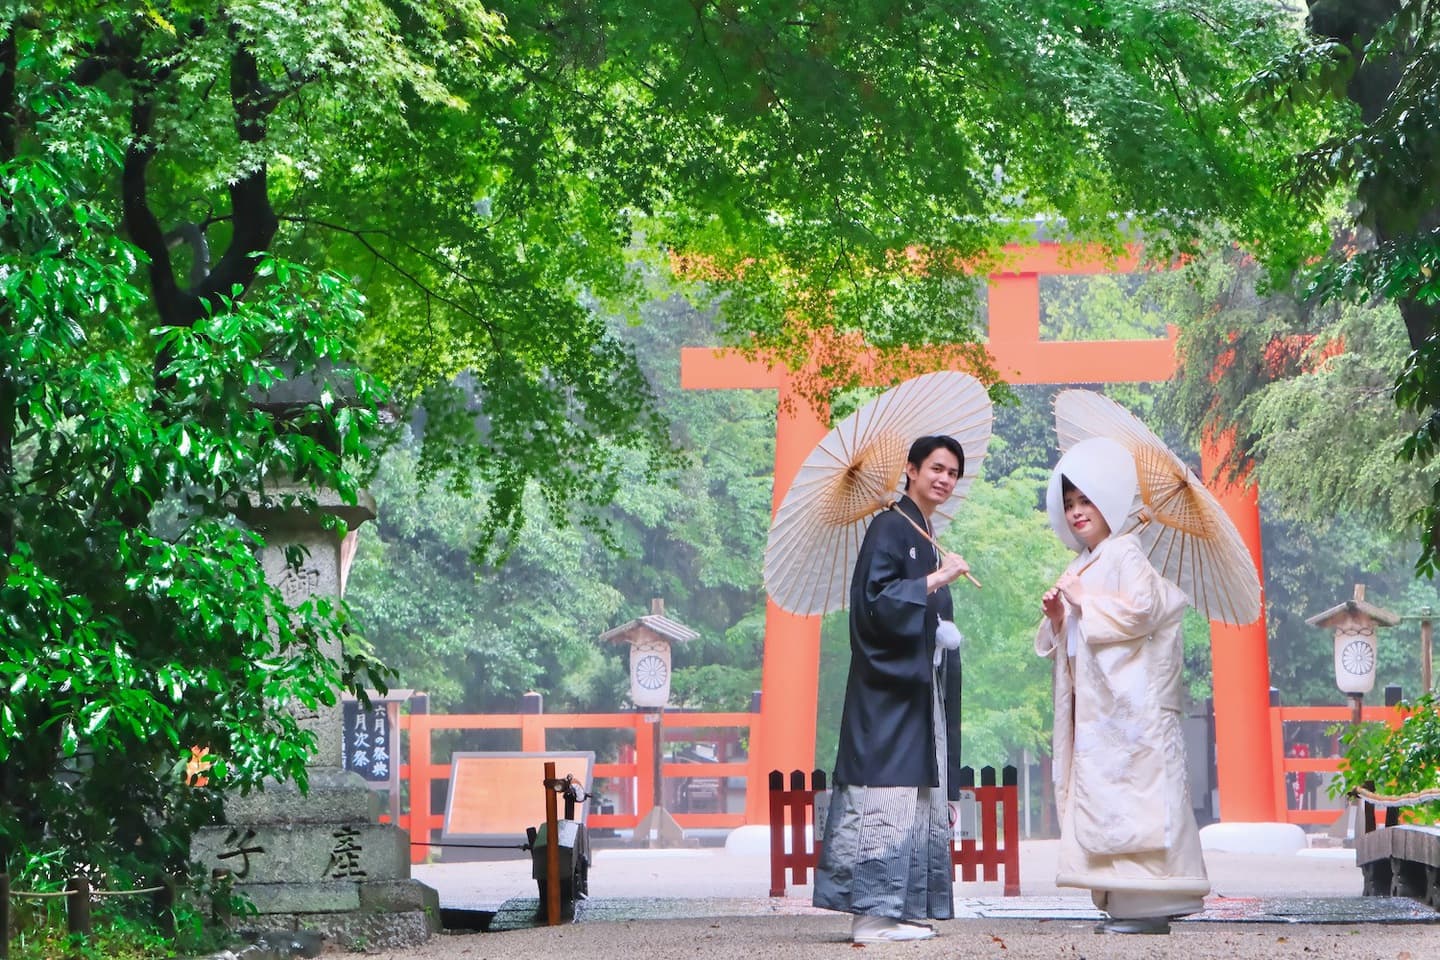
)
(650, 640)
(1353, 624)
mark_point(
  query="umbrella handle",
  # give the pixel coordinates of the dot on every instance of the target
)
(936, 543)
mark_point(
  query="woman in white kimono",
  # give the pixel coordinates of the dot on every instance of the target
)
(1112, 626)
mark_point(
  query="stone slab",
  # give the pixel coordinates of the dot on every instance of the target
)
(362, 931)
(331, 897)
(334, 796)
(398, 896)
(304, 853)
(1271, 838)
(523, 912)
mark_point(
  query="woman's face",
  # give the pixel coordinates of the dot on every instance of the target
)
(1085, 519)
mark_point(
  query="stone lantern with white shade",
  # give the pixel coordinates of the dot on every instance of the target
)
(651, 638)
(1353, 623)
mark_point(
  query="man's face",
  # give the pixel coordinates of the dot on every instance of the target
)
(933, 481)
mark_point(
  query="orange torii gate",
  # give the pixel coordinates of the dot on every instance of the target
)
(784, 738)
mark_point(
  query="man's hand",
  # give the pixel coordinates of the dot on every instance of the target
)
(952, 568)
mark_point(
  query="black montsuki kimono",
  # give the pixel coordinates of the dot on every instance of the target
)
(886, 848)
(886, 733)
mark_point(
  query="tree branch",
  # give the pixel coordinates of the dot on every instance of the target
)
(254, 218)
(429, 292)
(139, 220)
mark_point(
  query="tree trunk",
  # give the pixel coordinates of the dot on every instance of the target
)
(1386, 207)
(8, 139)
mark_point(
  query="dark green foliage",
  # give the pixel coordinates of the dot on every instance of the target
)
(1397, 761)
(137, 622)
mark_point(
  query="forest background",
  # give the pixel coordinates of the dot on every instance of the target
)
(476, 639)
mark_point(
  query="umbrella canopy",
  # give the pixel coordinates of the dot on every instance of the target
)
(1186, 533)
(859, 468)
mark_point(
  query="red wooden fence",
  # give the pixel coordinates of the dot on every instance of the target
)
(998, 807)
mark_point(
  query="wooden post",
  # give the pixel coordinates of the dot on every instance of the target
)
(657, 732)
(1426, 634)
(77, 906)
(4, 916)
(1009, 800)
(645, 764)
(1357, 701)
(799, 801)
(419, 787)
(776, 795)
(552, 849)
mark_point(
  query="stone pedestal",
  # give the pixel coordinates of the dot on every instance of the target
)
(319, 861)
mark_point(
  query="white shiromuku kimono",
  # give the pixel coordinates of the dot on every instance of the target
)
(1127, 828)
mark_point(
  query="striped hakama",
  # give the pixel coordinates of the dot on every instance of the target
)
(887, 849)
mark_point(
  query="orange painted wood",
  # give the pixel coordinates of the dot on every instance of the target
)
(419, 755)
(784, 739)
(1245, 764)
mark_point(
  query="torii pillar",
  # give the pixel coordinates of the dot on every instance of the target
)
(784, 737)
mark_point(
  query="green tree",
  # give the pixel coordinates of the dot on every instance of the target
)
(483, 177)
(1310, 567)
(1355, 90)
(476, 638)
(136, 414)
(138, 622)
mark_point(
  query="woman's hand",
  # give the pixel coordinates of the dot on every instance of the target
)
(1071, 589)
(1052, 604)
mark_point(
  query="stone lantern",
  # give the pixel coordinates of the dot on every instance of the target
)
(1353, 623)
(318, 860)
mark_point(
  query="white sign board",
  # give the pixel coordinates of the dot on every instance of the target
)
(821, 812)
(964, 817)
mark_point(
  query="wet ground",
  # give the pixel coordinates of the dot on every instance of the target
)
(523, 912)
(707, 901)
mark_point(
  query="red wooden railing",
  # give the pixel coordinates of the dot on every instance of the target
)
(420, 771)
(791, 810)
(1279, 716)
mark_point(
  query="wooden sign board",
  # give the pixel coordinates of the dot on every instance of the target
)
(498, 795)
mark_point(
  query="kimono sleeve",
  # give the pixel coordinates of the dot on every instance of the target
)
(893, 608)
(1047, 641)
(952, 688)
(1136, 609)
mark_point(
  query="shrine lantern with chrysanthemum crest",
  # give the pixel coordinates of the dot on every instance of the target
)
(650, 639)
(1353, 623)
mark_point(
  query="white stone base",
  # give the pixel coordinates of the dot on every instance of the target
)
(755, 840)
(1263, 838)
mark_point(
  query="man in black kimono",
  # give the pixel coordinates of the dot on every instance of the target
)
(886, 856)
